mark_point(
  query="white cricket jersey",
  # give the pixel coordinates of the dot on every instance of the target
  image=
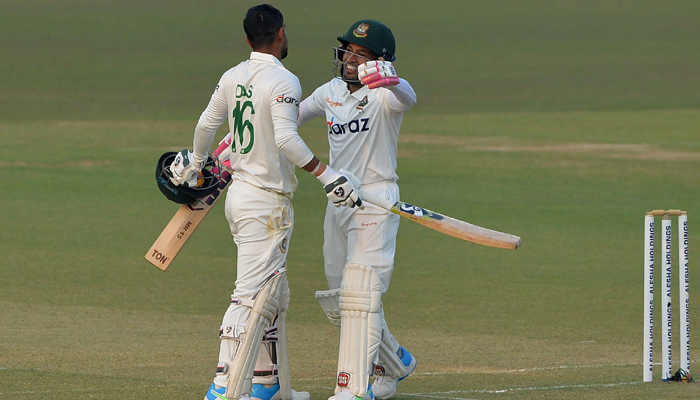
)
(257, 96)
(363, 129)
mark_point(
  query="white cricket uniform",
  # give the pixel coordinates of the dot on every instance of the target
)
(260, 99)
(363, 131)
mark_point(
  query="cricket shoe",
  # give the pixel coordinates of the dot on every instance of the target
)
(262, 392)
(217, 393)
(384, 387)
(345, 394)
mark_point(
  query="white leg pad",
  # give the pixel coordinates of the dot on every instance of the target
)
(330, 303)
(360, 329)
(272, 365)
(282, 355)
(264, 306)
(389, 362)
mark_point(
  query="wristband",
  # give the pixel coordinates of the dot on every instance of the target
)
(316, 169)
(328, 176)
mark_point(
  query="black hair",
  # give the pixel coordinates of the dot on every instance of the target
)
(261, 25)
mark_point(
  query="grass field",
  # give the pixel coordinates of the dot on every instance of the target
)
(562, 122)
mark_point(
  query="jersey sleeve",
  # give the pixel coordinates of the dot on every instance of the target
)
(402, 96)
(284, 107)
(211, 119)
(305, 113)
(317, 100)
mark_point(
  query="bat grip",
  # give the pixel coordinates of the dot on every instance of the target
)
(222, 146)
(376, 200)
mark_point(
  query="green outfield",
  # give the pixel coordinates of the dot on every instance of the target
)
(561, 122)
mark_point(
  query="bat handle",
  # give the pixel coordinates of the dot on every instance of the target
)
(225, 143)
(376, 200)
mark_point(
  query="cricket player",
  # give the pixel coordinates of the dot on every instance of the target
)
(260, 99)
(363, 107)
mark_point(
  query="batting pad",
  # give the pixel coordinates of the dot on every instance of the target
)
(263, 310)
(330, 303)
(282, 355)
(360, 329)
(388, 359)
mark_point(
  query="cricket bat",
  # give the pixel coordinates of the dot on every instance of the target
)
(447, 225)
(188, 217)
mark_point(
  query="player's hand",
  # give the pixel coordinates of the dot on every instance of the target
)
(377, 73)
(183, 171)
(344, 191)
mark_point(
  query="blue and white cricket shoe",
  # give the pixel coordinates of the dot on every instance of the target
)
(262, 392)
(384, 387)
(215, 393)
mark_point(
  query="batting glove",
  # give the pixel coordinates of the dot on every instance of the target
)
(183, 172)
(343, 190)
(377, 73)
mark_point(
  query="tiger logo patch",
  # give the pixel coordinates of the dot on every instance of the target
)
(361, 30)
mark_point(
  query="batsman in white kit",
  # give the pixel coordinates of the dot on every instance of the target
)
(260, 99)
(363, 107)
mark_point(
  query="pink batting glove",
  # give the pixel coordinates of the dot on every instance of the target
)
(377, 73)
(392, 81)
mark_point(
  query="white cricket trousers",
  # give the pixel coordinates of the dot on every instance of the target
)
(261, 223)
(368, 236)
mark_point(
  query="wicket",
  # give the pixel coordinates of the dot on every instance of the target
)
(666, 321)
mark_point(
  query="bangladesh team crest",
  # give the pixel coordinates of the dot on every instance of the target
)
(362, 104)
(361, 30)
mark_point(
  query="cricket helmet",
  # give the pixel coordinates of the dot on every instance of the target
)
(374, 35)
(182, 194)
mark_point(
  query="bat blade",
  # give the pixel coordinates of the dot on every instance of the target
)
(447, 225)
(456, 228)
(182, 226)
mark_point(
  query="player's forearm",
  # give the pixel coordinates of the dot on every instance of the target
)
(296, 150)
(289, 142)
(203, 138)
(402, 96)
(210, 120)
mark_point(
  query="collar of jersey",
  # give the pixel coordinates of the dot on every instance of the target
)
(361, 93)
(265, 57)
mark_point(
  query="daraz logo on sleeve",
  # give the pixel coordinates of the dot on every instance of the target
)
(287, 99)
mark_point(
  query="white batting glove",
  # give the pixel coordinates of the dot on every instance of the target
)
(183, 172)
(377, 73)
(342, 190)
